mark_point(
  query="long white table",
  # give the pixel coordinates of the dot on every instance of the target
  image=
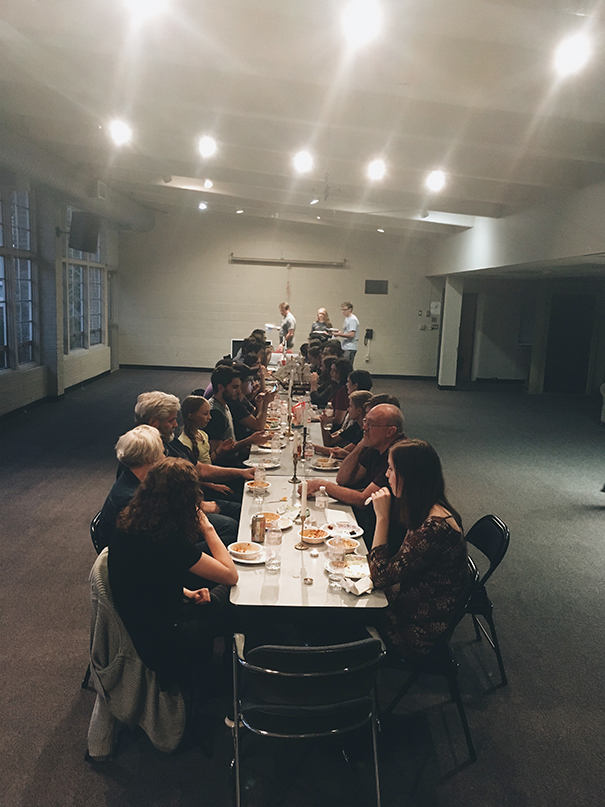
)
(286, 588)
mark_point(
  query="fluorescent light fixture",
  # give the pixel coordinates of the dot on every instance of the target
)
(208, 183)
(202, 205)
(207, 146)
(379, 230)
(377, 169)
(141, 10)
(435, 181)
(303, 162)
(572, 54)
(239, 211)
(361, 21)
(120, 132)
(314, 200)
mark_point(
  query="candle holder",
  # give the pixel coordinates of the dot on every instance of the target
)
(301, 546)
(295, 480)
(289, 433)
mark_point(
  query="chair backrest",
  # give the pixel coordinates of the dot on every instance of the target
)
(95, 534)
(313, 676)
(491, 536)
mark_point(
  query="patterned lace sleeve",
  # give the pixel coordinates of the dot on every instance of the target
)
(417, 550)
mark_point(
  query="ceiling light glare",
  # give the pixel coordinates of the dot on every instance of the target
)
(207, 146)
(361, 21)
(379, 230)
(572, 54)
(314, 201)
(377, 169)
(435, 181)
(120, 132)
(239, 211)
(141, 10)
(303, 162)
(202, 205)
(208, 183)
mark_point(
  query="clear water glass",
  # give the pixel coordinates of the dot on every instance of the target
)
(273, 540)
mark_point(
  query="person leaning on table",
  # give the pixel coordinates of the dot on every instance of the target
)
(428, 575)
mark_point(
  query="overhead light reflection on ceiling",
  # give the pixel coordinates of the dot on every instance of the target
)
(141, 10)
(120, 132)
(377, 169)
(435, 181)
(207, 146)
(303, 162)
(208, 183)
(572, 54)
(239, 211)
(202, 205)
(361, 21)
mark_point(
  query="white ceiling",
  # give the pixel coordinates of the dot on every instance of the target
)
(465, 85)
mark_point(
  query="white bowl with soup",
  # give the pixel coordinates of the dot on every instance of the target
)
(245, 550)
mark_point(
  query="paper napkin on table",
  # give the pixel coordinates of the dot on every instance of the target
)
(358, 587)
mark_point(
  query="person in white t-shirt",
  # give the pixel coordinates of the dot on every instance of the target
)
(288, 326)
(350, 332)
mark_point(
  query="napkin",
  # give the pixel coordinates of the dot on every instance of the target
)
(358, 587)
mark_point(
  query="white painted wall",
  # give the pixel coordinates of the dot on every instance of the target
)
(181, 302)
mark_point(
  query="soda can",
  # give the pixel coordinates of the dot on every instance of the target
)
(258, 528)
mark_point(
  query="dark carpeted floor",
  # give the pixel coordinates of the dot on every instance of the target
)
(534, 461)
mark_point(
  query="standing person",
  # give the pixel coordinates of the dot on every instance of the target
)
(288, 325)
(426, 578)
(322, 326)
(350, 332)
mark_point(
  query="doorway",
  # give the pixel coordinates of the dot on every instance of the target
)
(466, 338)
(569, 343)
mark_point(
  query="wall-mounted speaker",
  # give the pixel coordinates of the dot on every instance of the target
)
(84, 232)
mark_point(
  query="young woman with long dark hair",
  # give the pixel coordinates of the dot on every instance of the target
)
(426, 578)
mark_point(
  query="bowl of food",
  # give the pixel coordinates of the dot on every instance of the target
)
(257, 485)
(270, 518)
(313, 535)
(325, 463)
(245, 550)
(350, 544)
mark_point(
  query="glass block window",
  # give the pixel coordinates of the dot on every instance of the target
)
(96, 304)
(76, 303)
(24, 309)
(3, 323)
(20, 221)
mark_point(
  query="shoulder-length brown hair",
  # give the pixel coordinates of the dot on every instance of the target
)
(166, 503)
(418, 465)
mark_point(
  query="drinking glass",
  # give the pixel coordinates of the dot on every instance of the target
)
(336, 555)
(273, 540)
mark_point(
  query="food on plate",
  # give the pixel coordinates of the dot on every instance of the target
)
(270, 517)
(313, 536)
(357, 565)
(325, 462)
(245, 549)
(349, 544)
(258, 483)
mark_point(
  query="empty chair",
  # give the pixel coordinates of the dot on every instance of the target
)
(305, 692)
(439, 661)
(491, 537)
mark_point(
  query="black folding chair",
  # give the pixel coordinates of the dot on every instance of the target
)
(440, 661)
(99, 545)
(305, 692)
(491, 537)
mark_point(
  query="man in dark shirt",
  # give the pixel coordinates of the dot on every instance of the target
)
(226, 383)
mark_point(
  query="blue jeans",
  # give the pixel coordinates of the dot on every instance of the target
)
(350, 355)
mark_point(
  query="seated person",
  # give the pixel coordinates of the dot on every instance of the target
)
(339, 373)
(342, 442)
(359, 379)
(314, 357)
(381, 398)
(227, 361)
(426, 578)
(249, 417)
(333, 348)
(322, 386)
(226, 384)
(150, 554)
(137, 450)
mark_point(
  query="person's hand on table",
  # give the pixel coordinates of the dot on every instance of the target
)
(382, 503)
(202, 595)
(248, 473)
(210, 507)
(313, 485)
(339, 453)
(257, 438)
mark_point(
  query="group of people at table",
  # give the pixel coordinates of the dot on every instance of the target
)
(176, 502)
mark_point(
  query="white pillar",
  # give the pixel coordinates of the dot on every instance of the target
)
(450, 330)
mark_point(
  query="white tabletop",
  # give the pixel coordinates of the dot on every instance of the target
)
(286, 588)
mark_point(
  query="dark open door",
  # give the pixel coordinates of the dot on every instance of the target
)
(569, 342)
(466, 340)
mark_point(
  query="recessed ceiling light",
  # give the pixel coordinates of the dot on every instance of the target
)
(239, 211)
(120, 132)
(303, 162)
(435, 181)
(379, 230)
(377, 169)
(202, 205)
(208, 183)
(572, 54)
(207, 146)
(319, 217)
(361, 21)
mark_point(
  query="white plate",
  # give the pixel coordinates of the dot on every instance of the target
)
(360, 570)
(257, 560)
(308, 540)
(268, 465)
(316, 467)
(263, 450)
(351, 545)
(343, 529)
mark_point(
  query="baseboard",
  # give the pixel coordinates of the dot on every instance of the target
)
(165, 367)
